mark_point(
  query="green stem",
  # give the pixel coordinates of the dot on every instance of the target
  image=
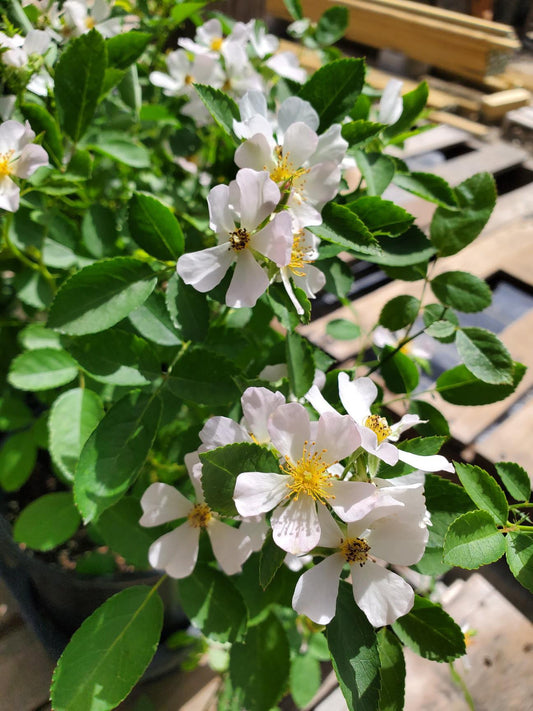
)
(458, 679)
(16, 252)
(521, 506)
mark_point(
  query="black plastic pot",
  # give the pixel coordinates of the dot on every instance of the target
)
(54, 601)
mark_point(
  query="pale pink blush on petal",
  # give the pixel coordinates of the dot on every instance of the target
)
(219, 431)
(248, 282)
(357, 396)
(353, 499)
(258, 492)
(330, 534)
(290, 429)
(31, 158)
(259, 197)
(338, 435)
(162, 503)
(257, 406)
(397, 542)
(316, 591)
(9, 194)
(275, 239)
(299, 143)
(255, 153)
(295, 527)
(318, 401)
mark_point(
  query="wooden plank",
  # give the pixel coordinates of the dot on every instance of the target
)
(435, 139)
(493, 158)
(464, 124)
(511, 441)
(495, 106)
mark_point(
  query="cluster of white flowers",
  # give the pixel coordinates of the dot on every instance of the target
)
(287, 174)
(315, 501)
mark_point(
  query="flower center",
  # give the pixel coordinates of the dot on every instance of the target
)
(285, 170)
(379, 425)
(309, 475)
(239, 239)
(216, 44)
(89, 23)
(199, 516)
(189, 79)
(355, 550)
(300, 256)
(5, 161)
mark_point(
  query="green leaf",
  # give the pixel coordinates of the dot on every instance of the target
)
(154, 227)
(462, 291)
(153, 322)
(259, 666)
(300, 363)
(126, 48)
(427, 186)
(339, 277)
(422, 446)
(119, 528)
(47, 522)
(122, 148)
(188, 310)
(412, 249)
(213, 604)
(295, 9)
(392, 692)
(341, 226)
(473, 540)
(413, 104)
(399, 372)
(221, 107)
(360, 131)
(430, 632)
(78, 79)
(484, 491)
(184, 10)
(73, 417)
(451, 230)
(109, 652)
(100, 295)
(399, 312)
(222, 466)
(441, 322)
(377, 170)
(382, 217)
(17, 460)
(283, 307)
(304, 678)
(444, 501)
(35, 336)
(515, 479)
(42, 369)
(519, 555)
(343, 330)
(331, 26)
(460, 387)
(115, 453)
(485, 356)
(41, 121)
(354, 652)
(14, 413)
(203, 377)
(333, 89)
(436, 423)
(272, 556)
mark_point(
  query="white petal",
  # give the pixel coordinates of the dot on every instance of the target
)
(381, 594)
(316, 591)
(391, 104)
(206, 268)
(36, 42)
(330, 534)
(256, 528)
(162, 503)
(166, 82)
(258, 492)
(299, 143)
(353, 499)
(221, 218)
(431, 463)
(257, 406)
(387, 452)
(249, 281)
(259, 197)
(400, 543)
(290, 429)
(286, 64)
(231, 546)
(312, 282)
(295, 527)
(331, 146)
(318, 401)
(219, 431)
(295, 109)
(12, 135)
(320, 184)
(357, 396)
(176, 552)
(252, 103)
(338, 435)
(9, 194)
(275, 239)
(31, 158)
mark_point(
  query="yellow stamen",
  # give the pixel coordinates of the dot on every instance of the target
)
(309, 475)
(355, 550)
(299, 256)
(5, 163)
(239, 239)
(89, 23)
(379, 425)
(285, 170)
(216, 44)
(199, 516)
(189, 79)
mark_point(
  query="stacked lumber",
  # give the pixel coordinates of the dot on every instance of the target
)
(467, 46)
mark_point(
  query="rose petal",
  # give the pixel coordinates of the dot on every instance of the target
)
(162, 503)
(316, 591)
(381, 594)
(295, 527)
(258, 492)
(176, 552)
